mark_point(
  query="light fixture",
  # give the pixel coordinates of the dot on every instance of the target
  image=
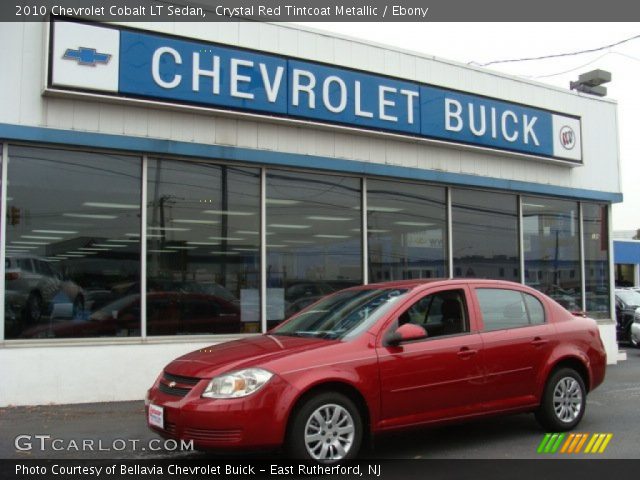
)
(591, 82)
(170, 229)
(372, 208)
(229, 239)
(38, 237)
(56, 232)
(322, 235)
(122, 206)
(203, 243)
(328, 219)
(292, 226)
(110, 245)
(228, 213)
(195, 221)
(278, 201)
(414, 224)
(90, 215)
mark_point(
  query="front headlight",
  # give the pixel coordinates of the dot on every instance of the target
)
(237, 384)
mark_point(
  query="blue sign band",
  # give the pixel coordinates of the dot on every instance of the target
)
(170, 69)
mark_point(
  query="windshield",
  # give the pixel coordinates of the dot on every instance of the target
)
(629, 297)
(343, 315)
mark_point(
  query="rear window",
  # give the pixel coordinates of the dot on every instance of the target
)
(502, 309)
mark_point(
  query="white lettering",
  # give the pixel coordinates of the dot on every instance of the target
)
(213, 74)
(236, 78)
(308, 88)
(528, 129)
(514, 136)
(326, 87)
(411, 95)
(155, 67)
(272, 89)
(478, 132)
(450, 114)
(359, 111)
(383, 103)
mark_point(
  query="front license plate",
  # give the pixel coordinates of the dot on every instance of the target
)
(156, 416)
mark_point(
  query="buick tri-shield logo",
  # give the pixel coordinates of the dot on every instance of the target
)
(567, 137)
(86, 56)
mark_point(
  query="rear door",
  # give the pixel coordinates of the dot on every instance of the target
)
(517, 339)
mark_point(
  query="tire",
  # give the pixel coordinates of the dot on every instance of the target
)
(33, 308)
(563, 402)
(312, 437)
(78, 307)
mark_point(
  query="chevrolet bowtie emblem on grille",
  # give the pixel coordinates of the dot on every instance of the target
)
(172, 384)
(86, 56)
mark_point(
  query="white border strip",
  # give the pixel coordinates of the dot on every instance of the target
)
(583, 270)
(143, 249)
(3, 236)
(449, 233)
(297, 122)
(263, 250)
(521, 241)
(365, 230)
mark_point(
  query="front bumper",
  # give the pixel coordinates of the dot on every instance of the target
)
(256, 421)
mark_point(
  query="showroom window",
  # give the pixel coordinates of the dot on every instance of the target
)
(314, 239)
(406, 230)
(203, 249)
(596, 259)
(72, 266)
(551, 234)
(485, 235)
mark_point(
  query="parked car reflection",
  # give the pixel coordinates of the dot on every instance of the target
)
(168, 313)
(35, 291)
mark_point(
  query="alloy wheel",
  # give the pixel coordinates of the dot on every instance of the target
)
(567, 399)
(329, 432)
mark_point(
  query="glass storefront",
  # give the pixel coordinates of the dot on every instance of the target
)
(72, 265)
(596, 259)
(314, 239)
(203, 248)
(551, 233)
(73, 257)
(485, 235)
(406, 230)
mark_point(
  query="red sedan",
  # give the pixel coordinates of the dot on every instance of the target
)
(384, 357)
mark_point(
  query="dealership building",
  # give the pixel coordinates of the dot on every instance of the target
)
(168, 186)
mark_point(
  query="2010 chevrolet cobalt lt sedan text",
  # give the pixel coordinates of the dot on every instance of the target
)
(384, 357)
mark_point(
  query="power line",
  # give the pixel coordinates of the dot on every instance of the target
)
(556, 55)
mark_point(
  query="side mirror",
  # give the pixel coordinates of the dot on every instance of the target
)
(406, 333)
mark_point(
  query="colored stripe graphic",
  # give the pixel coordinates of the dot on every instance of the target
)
(573, 443)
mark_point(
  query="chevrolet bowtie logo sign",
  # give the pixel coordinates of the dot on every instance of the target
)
(86, 56)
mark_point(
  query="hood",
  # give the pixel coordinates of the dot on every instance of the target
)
(244, 353)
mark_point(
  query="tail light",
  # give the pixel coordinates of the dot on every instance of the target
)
(12, 276)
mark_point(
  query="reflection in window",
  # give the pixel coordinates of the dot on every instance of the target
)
(203, 269)
(406, 231)
(502, 309)
(314, 244)
(552, 249)
(485, 235)
(73, 248)
(596, 259)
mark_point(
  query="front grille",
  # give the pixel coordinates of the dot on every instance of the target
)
(180, 379)
(176, 385)
(177, 391)
(222, 436)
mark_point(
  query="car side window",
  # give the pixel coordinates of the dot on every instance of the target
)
(441, 313)
(502, 309)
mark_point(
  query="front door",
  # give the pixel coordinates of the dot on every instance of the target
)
(437, 377)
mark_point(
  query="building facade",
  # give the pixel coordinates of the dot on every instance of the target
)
(168, 186)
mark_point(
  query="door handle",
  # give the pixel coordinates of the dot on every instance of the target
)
(538, 342)
(466, 352)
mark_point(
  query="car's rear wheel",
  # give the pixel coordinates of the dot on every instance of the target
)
(33, 308)
(327, 428)
(563, 401)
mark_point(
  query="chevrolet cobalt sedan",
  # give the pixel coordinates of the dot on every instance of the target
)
(383, 357)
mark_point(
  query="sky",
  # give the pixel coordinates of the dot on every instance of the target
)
(486, 42)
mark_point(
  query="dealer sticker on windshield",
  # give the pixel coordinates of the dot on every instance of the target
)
(156, 416)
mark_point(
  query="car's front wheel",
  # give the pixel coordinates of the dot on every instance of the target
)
(327, 428)
(563, 401)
